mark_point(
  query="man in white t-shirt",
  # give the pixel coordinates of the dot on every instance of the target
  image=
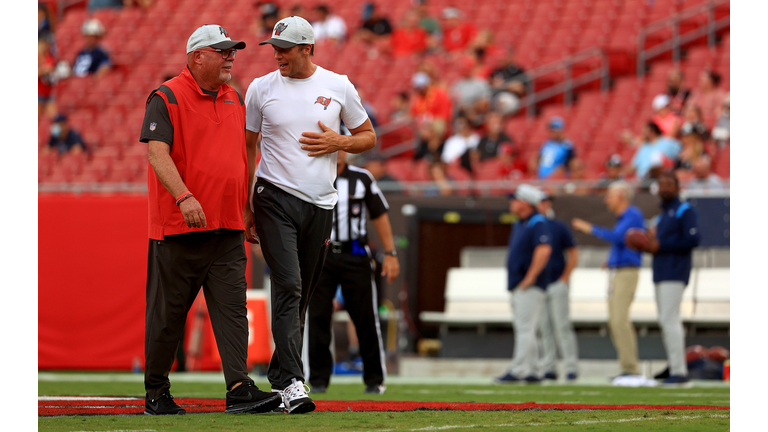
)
(328, 27)
(464, 139)
(296, 112)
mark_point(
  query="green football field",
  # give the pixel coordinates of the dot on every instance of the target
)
(461, 389)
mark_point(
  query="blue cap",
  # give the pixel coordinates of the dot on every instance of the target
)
(556, 123)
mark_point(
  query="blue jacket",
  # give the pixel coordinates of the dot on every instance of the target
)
(677, 230)
(562, 240)
(526, 235)
(620, 255)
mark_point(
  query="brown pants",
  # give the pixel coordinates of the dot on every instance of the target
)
(621, 292)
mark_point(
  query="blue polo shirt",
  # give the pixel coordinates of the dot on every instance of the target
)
(620, 255)
(526, 235)
(677, 230)
(89, 61)
(562, 240)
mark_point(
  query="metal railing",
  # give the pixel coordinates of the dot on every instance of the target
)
(569, 83)
(678, 40)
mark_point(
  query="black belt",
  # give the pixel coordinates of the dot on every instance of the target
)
(342, 247)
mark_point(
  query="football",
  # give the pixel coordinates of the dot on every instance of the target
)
(636, 239)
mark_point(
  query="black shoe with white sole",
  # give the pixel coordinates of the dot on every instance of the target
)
(247, 398)
(163, 405)
(296, 400)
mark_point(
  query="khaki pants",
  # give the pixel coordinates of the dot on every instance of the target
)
(621, 292)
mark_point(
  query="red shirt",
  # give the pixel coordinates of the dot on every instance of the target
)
(209, 151)
(435, 104)
(406, 42)
(456, 38)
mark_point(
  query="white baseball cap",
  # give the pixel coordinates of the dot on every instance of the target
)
(527, 193)
(291, 31)
(660, 101)
(93, 27)
(420, 80)
(214, 36)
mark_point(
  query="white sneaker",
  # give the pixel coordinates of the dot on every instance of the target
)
(296, 400)
(634, 381)
(281, 408)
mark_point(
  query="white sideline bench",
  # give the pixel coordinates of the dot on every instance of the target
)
(479, 296)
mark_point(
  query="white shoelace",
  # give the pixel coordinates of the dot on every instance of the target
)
(296, 390)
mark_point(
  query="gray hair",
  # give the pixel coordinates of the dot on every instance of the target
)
(626, 189)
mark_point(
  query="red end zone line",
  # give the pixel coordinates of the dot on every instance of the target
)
(112, 407)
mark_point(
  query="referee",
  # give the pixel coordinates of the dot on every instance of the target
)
(349, 263)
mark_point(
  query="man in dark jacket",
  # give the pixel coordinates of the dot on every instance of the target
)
(671, 242)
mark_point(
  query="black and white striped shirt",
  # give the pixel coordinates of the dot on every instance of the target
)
(358, 194)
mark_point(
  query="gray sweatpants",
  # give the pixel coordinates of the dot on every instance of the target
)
(526, 305)
(556, 330)
(669, 296)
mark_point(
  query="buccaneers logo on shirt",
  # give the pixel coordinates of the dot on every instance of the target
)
(279, 28)
(324, 101)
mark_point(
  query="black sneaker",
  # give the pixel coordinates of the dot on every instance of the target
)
(550, 376)
(164, 405)
(376, 389)
(248, 398)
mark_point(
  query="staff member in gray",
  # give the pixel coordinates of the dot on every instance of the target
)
(671, 242)
(529, 251)
(555, 323)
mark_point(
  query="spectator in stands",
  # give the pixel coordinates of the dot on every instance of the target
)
(527, 279)
(375, 26)
(471, 94)
(512, 166)
(624, 265)
(399, 111)
(430, 136)
(692, 139)
(328, 28)
(464, 139)
(693, 120)
(556, 153)
(703, 177)
(408, 38)
(708, 96)
(268, 15)
(653, 141)
(430, 104)
(489, 144)
(63, 138)
(614, 168)
(508, 84)
(46, 64)
(457, 33)
(721, 133)
(664, 117)
(94, 5)
(481, 47)
(296, 10)
(93, 59)
(675, 90)
(44, 23)
(428, 23)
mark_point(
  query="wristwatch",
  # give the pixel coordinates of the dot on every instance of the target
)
(393, 253)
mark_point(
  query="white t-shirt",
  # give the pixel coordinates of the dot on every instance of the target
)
(282, 109)
(457, 145)
(333, 27)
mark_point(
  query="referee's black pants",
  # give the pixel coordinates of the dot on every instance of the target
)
(294, 237)
(176, 269)
(355, 274)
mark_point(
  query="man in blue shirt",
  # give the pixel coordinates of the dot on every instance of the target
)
(555, 321)
(92, 60)
(557, 152)
(671, 242)
(624, 265)
(653, 143)
(64, 138)
(529, 250)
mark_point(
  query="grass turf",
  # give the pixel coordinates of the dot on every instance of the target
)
(406, 421)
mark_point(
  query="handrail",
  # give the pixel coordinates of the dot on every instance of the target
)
(674, 44)
(478, 187)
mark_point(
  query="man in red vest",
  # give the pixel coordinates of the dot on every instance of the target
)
(198, 186)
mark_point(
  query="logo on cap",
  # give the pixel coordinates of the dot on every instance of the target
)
(279, 28)
(324, 101)
(222, 31)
